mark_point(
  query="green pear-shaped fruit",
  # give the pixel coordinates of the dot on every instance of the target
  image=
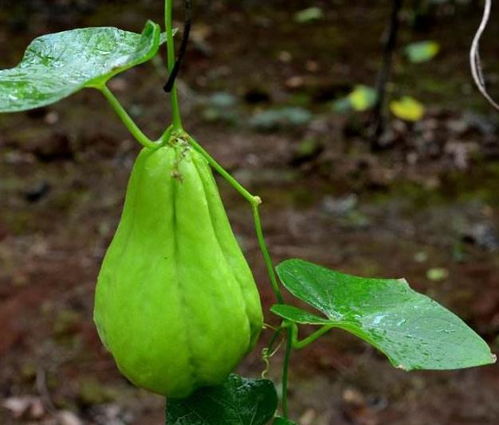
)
(176, 303)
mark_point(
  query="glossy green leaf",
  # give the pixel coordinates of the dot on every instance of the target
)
(57, 65)
(282, 421)
(422, 51)
(407, 108)
(413, 331)
(239, 401)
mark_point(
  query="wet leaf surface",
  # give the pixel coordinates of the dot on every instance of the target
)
(58, 65)
(413, 331)
(239, 401)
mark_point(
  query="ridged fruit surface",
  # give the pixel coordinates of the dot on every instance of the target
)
(176, 303)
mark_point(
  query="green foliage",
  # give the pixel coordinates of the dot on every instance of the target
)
(422, 51)
(55, 66)
(239, 401)
(412, 330)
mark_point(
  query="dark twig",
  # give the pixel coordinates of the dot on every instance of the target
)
(41, 386)
(476, 65)
(183, 46)
(389, 44)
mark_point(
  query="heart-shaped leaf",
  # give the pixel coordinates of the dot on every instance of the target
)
(413, 331)
(57, 65)
(239, 401)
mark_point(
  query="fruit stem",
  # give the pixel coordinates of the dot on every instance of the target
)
(127, 120)
(170, 46)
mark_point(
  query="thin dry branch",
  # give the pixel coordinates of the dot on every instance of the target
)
(475, 62)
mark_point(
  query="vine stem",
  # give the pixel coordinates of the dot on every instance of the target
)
(170, 46)
(265, 252)
(389, 44)
(285, 372)
(297, 344)
(127, 120)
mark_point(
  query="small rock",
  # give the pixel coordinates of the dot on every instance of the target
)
(68, 418)
(284, 56)
(356, 409)
(52, 118)
(340, 206)
(276, 118)
(353, 397)
(37, 192)
(483, 235)
(308, 417)
(483, 124)
(28, 407)
(295, 82)
(118, 84)
(57, 147)
(457, 127)
(312, 66)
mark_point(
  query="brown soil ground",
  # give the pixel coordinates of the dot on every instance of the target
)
(427, 199)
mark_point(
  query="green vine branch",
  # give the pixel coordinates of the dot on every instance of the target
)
(127, 120)
(285, 373)
(265, 252)
(170, 46)
(297, 344)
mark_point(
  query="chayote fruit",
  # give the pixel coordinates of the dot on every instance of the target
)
(176, 303)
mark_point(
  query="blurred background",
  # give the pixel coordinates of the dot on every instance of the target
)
(283, 94)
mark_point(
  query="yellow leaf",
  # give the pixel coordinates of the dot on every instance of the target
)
(407, 108)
